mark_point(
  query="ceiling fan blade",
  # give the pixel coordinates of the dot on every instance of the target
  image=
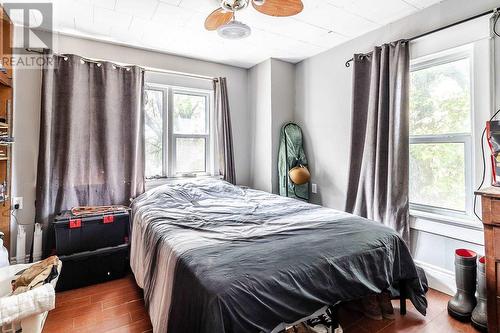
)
(279, 7)
(217, 18)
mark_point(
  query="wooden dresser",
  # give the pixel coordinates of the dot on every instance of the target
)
(491, 219)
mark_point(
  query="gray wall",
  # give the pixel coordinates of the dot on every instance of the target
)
(27, 111)
(260, 106)
(283, 107)
(271, 91)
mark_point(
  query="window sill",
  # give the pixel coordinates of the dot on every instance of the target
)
(466, 229)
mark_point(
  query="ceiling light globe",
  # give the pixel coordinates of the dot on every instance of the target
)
(234, 30)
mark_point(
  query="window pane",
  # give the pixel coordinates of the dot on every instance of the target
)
(440, 99)
(153, 132)
(437, 175)
(189, 114)
(190, 155)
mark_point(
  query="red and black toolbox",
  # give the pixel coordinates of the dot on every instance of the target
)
(90, 232)
(93, 248)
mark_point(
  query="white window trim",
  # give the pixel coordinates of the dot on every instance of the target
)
(169, 154)
(441, 58)
(464, 229)
(466, 217)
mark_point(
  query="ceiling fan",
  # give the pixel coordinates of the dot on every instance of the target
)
(223, 19)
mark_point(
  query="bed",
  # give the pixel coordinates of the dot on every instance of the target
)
(213, 257)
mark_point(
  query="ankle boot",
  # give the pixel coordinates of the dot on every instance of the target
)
(479, 315)
(464, 301)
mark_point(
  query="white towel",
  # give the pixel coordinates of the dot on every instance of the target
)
(16, 307)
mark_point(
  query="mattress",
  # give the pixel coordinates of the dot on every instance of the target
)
(213, 257)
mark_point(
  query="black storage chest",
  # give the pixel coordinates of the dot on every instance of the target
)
(90, 232)
(91, 267)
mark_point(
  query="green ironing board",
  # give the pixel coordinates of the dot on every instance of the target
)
(291, 153)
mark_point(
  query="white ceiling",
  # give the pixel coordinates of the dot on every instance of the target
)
(176, 26)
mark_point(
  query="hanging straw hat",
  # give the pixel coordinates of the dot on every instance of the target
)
(299, 175)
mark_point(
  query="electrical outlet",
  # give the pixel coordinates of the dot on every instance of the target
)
(17, 203)
(314, 188)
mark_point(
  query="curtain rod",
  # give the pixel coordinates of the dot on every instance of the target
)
(492, 11)
(165, 71)
(147, 69)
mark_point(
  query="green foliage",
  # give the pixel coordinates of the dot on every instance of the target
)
(188, 118)
(437, 175)
(186, 106)
(189, 114)
(440, 99)
(439, 104)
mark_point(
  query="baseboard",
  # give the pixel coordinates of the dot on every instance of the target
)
(13, 260)
(439, 279)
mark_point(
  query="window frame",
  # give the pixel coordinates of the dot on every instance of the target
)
(169, 156)
(466, 139)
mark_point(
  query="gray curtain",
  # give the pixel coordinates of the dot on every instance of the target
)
(91, 137)
(224, 131)
(378, 176)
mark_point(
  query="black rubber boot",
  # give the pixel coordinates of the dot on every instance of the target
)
(479, 315)
(464, 301)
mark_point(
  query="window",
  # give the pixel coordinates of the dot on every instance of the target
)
(177, 131)
(441, 123)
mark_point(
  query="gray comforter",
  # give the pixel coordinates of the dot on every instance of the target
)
(212, 257)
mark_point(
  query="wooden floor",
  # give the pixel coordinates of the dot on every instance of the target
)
(118, 306)
(436, 320)
(115, 306)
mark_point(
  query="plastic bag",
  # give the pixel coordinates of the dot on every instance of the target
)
(493, 136)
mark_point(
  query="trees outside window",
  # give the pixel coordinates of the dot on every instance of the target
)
(177, 131)
(441, 134)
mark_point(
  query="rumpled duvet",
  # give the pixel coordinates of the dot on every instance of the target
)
(212, 257)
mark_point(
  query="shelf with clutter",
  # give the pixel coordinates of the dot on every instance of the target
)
(6, 117)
